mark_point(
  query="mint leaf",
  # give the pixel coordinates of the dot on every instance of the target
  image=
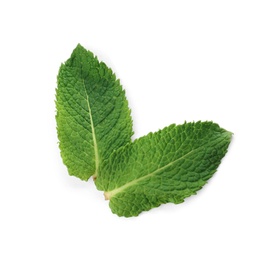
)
(166, 166)
(93, 118)
(94, 131)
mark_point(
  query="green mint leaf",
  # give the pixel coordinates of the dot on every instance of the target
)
(93, 118)
(166, 166)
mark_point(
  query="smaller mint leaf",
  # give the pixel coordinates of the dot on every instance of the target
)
(93, 118)
(167, 166)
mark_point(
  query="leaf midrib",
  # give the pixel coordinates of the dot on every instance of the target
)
(96, 155)
(109, 194)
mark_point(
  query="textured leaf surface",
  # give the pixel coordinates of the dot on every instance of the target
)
(93, 118)
(166, 166)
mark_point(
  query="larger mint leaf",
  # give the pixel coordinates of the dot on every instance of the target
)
(166, 166)
(93, 118)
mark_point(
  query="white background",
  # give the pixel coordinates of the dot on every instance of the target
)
(177, 60)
